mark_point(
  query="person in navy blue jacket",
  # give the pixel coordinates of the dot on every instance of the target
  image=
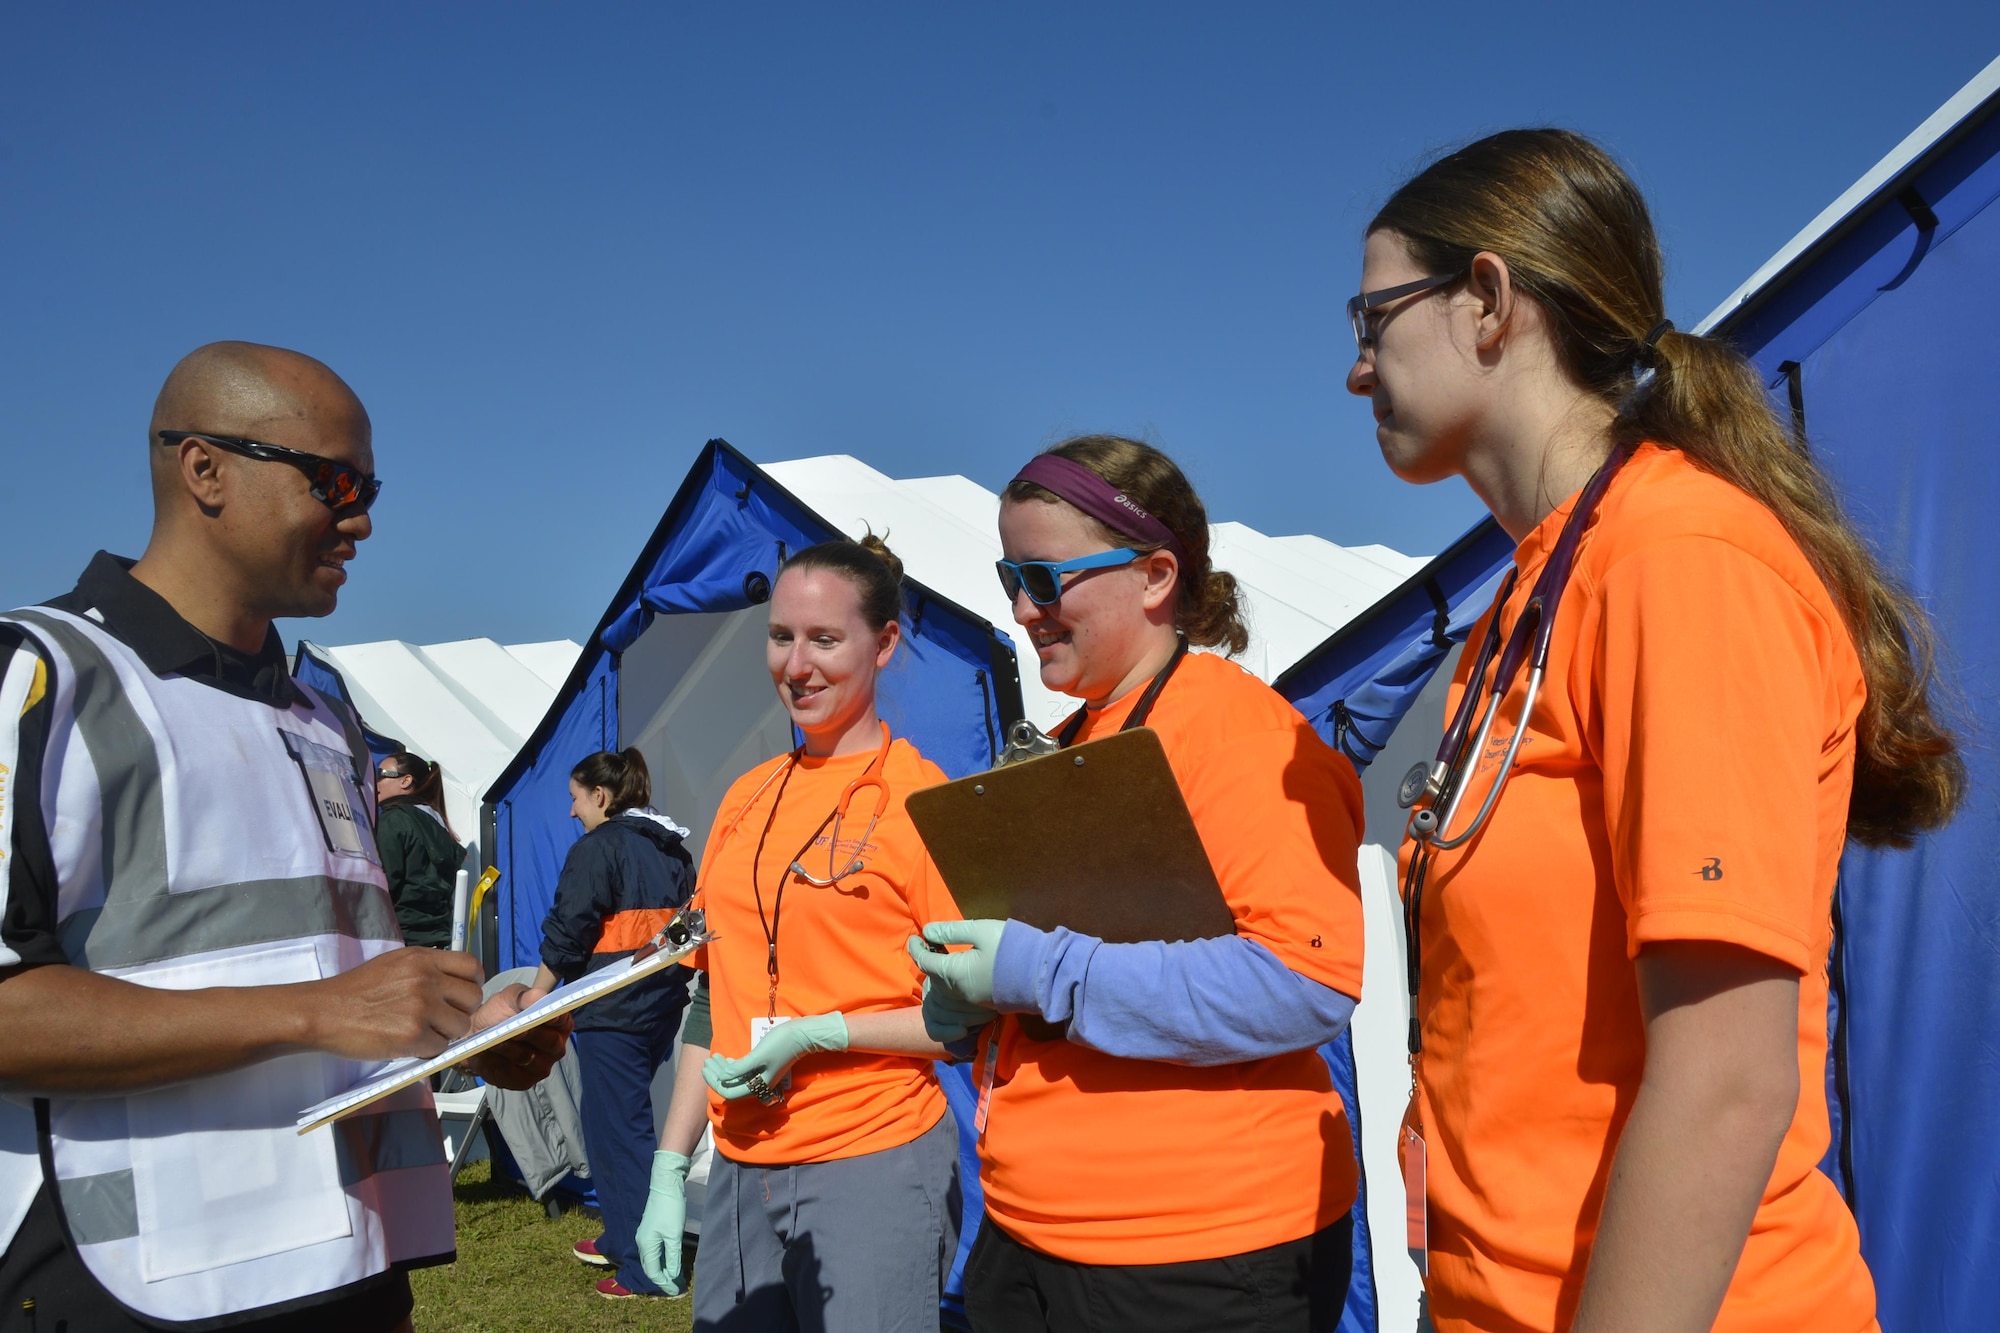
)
(622, 882)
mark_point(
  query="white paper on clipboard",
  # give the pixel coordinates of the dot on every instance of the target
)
(402, 1073)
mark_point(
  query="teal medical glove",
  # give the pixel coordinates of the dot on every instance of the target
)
(771, 1057)
(665, 1223)
(968, 975)
(948, 1018)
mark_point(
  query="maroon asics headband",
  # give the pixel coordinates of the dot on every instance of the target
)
(1072, 481)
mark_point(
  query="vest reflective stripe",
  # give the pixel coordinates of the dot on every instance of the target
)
(100, 1208)
(256, 912)
(103, 1207)
(219, 868)
(120, 743)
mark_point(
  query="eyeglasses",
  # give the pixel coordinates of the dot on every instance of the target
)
(1043, 578)
(1360, 307)
(334, 484)
(386, 776)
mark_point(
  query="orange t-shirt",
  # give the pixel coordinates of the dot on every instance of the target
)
(1103, 1160)
(1685, 776)
(839, 948)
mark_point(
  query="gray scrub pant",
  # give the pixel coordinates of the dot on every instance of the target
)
(859, 1245)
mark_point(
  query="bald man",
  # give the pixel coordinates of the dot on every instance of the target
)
(196, 939)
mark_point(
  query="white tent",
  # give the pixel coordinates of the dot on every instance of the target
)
(1298, 589)
(466, 706)
(691, 691)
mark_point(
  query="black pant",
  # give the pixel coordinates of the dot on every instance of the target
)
(39, 1266)
(1297, 1287)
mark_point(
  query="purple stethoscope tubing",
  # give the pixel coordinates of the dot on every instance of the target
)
(1442, 779)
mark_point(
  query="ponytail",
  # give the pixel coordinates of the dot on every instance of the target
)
(1707, 400)
(1579, 242)
(622, 774)
(427, 787)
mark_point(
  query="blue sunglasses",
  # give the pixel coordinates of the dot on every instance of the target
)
(1042, 579)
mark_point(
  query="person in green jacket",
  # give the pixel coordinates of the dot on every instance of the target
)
(419, 853)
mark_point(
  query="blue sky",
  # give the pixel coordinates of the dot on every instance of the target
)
(557, 248)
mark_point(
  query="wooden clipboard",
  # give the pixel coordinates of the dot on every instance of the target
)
(1096, 838)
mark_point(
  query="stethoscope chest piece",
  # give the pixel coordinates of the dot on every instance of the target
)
(1422, 782)
(1442, 782)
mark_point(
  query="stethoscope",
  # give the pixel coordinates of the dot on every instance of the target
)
(1437, 789)
(872, 778)
(1443, 780)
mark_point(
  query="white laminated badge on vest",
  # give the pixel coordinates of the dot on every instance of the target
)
(218, 1173)
(329, 776)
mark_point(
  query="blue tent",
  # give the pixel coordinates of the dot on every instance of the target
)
(1873, 328)
(952, 689)
(1356, 687)
(675, 667)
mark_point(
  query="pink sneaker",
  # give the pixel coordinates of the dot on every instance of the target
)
(586, 1252)
(610, 1289)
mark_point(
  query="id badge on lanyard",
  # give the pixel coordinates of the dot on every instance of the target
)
(989, 1060)
(1416, 1184)
(759, 1029)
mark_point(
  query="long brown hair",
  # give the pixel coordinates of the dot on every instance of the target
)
(1578, 240)
(1210, 610)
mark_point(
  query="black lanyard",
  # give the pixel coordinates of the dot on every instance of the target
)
(1140, 711)
(1542, 603)
(1420, 860)
(757, 860)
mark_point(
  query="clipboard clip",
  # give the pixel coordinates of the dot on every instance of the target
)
(688, 926)
(1025, 741)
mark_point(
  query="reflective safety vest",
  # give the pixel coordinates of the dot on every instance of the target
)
(204, 840)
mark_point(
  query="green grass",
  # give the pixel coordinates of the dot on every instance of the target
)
(515, 1273)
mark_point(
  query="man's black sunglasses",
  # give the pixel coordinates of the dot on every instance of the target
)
(334, 484)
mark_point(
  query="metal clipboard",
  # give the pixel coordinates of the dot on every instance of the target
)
(1096, 838)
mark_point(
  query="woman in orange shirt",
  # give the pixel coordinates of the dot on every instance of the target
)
(1620, 885)
(1161, 1145)
(832, 1195)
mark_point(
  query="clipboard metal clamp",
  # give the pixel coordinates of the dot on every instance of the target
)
(1026, 741)
(688, 928)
